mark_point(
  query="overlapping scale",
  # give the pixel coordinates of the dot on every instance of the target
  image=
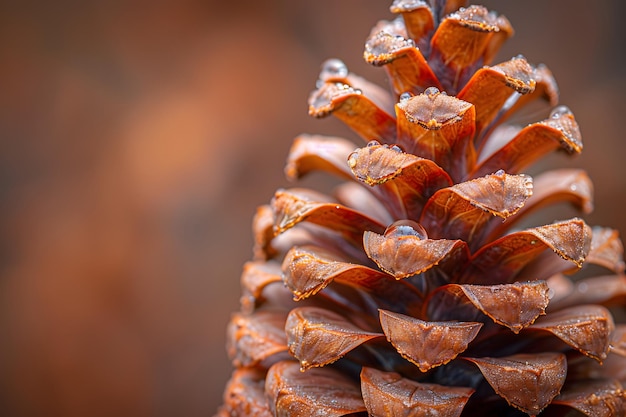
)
(438, 127)
(253, 338)
(402, 253)
(607, 249)
(404, 63)
(389, 394)
(587, 328)
(528, 382)
(402, 181)
(533, 142)
(463, 42)
(466, 210)
(297, 205)
(317, 337)
(355, 109)
(308, 270)
(535, 253)
(595, 398)
(314, 152)
(418, 19)
(245, 394)
(490, 88)
(515, 306)
(320, 392)
(427, 344)
(255, 277)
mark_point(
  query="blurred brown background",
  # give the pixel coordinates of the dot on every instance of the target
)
(136, 140)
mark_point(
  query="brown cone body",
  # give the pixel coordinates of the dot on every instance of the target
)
(414, 290)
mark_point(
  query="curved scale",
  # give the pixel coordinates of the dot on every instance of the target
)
(586, 328)
(515, 306)
(594, 398)
(464, 41)
(552, 187)
(404, 63)
(527, 382)
(254, 278)
(355, 109)
(317, 337)
(308, 270)
(402, 181)
(427, 344)
(389, 394)
(529, 254)
(439, 127)
(490, 88)
(405, 255)
(245, 394)
(419, 21)
(335, 71)
(318, 392)
(253, 338)
(607, 249)
(546, 89)
(263, 233)
(315, 152)
(533, 142)
(465, 211)
(297, 205)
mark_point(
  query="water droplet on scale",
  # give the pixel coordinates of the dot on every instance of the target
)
(333, 68)
(352, 160)
(560, 111)
(406, 228)
(404, 97)
(373, 142)
(431, 91)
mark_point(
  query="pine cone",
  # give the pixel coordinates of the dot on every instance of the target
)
(421, 287)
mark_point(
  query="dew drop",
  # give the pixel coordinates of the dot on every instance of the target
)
(333, 68)
(406, 228)
(373, 142)
(396, 148)
(404, 97)
(560, 111)
(352, 160)
(431, 91)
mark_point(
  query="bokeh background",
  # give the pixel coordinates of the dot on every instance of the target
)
(136, 140)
